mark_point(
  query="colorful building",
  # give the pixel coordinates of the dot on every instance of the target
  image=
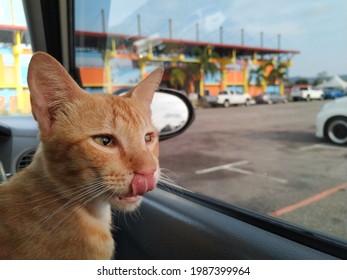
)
(128, 59)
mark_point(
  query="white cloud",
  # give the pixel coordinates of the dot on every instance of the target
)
(213, 21)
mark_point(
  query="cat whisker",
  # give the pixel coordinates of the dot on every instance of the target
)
(77, 199)
(96, 193)
(38, 206)
(125, 219)
(136, 215)
(91, 194)
(115, 216)
(168, 183)
(168, 173)
(51, 194)
(47, 235)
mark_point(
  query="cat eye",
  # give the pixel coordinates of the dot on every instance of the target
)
(149, 137)
(104, 140)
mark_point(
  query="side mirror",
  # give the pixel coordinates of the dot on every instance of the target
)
(172, 112)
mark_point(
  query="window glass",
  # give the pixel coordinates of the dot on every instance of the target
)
(267, 161)
(268, 158)
(15, 54)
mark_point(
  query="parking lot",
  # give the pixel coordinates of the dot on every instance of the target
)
(265, 158)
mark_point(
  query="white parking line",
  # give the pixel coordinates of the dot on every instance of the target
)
(266, 176)
(233, 167)
(221, 167)
(319, 146)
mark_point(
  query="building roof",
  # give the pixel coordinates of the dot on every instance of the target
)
(98, 41)
(6, 34)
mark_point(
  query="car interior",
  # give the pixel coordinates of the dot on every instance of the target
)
(173, 222)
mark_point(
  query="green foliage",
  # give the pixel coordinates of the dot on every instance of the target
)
(277, 74)
(302, 82)
(259, 73)
(177, 78)
(204, 55)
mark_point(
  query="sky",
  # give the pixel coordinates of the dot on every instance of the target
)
(316, 28)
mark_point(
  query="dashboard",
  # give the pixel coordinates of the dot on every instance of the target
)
(18, 142)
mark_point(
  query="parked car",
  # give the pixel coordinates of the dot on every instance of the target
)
(306, 93)
(331, 121)
(227, 98)
(333, 93)
(270, 98)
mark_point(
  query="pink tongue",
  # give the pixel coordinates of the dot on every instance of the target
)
(143, 183)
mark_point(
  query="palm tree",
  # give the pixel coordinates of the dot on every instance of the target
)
(177, 78)
(204, 55)
(260, 75)
(192, 71)
(278, 75)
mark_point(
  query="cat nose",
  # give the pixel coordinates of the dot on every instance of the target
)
(142, 162)
(142, 183)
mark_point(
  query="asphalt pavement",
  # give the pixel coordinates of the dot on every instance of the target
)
(264, 158)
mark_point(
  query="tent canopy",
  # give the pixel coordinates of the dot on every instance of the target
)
(333, 82)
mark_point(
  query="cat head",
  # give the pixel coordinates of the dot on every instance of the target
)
(94, 146)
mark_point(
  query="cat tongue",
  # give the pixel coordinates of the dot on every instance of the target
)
(143, 183)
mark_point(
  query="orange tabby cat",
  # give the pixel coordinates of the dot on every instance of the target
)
(96, 151)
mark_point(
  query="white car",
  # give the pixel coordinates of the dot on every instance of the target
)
(306, 93)
(229, 97)
(331, 121)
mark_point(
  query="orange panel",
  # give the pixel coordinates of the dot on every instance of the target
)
(27, 51)
(92, 76)
(128, 56)
(235, 77)
(255, 91)
(214, 89)
(2, 104)
(27, 105)
(13, 104)
(268, 70)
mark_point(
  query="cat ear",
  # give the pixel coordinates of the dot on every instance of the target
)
(145, 90)
(50, 86)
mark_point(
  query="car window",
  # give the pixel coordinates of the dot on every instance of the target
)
(15, 54)
(268, 159)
